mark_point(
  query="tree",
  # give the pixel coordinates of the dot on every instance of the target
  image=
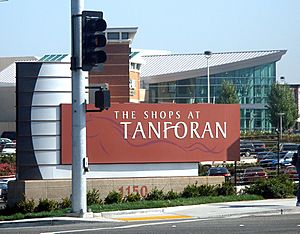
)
(228, 94)
(281, 100)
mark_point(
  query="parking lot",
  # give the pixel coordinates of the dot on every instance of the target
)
(258, 160)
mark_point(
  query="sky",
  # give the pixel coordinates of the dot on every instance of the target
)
(39, 27)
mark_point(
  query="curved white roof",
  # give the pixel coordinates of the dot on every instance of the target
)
(162, 68)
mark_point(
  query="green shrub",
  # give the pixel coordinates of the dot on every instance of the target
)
(155, 194)
(171, 195)
(190, 191)
(207, 190)
(65, 203)
(133, 197)
(25, 206)
(46, 205)
(113, 197)
(296, 185)
(93, 197)
(277, 187)
(226, 189)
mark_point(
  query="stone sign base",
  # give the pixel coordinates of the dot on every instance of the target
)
(59, 189)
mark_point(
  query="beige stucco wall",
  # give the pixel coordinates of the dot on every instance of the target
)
(7, 109)
(58, 189)
(135, 92)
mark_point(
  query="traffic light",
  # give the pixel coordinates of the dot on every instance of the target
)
(93, 39)
(102, 99)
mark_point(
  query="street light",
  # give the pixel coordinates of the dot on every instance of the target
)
(282, 79)
(280, 123)
(207, 56)
(279, 138)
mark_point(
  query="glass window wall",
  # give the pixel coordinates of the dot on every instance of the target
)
(252, 84)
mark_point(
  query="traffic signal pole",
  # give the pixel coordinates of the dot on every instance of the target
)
(79, 201)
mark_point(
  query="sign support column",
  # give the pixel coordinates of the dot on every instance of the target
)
(79, 201)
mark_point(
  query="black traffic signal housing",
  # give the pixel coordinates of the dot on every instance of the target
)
(102, 99)
(93, 39)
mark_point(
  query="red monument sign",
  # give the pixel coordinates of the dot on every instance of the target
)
(157, 133)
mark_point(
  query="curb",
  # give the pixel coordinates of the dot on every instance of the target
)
(109, 214)
(49, 221)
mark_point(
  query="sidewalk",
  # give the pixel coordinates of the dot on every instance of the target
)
(213, 210)
(204, 211)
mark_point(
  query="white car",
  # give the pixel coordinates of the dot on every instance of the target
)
(287, 159)
(9, 148)
(6, 180)
(3, 142)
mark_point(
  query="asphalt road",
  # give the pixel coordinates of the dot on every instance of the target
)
(286, 223)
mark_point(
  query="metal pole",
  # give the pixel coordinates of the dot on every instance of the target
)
(280, 116)
(207, 55)
(79, 201)
(278, 154)
(280, 123)
(279, 139)
(235, 176)
(208, 83)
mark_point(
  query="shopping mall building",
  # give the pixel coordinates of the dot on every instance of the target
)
(182, 78)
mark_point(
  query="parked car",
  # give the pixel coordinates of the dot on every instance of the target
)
(6, 180)
(262, 155)
(269, 161)
(9, 148)
(288, 147)
(252, 174)
(287, 159)
(246, 149)
(9, 134)
(3, 142)
(259, 146)
(291, 172)
(219, 171)
(3, 189)
(296, 131)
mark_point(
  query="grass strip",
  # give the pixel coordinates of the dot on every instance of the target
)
(97, 208)
(144, 204)
(18, 216)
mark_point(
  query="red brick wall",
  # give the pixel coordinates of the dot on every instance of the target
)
(115, 72)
